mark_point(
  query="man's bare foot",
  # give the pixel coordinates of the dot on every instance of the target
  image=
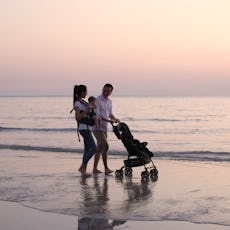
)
(108, 171)
(96, 171)
(86, 175)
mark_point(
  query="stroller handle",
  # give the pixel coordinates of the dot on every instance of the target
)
(112, 123)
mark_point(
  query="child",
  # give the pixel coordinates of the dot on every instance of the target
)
(95, 117)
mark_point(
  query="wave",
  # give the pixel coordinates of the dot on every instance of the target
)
(164, 119)
(38, 129)
(185, 155)
(8, 129)
(40, 148)
(70, 130)
(18, 129)
(195, 156)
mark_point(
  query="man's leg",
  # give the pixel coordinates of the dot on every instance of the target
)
(102, 150)
(96, 159)
(105, 158)
(98, 136)
(105, 154)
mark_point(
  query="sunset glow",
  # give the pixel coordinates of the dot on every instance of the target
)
(167, 48)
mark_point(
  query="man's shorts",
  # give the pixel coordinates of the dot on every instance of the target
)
(101, 137)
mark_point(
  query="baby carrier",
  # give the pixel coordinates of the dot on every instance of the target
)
(138, 153)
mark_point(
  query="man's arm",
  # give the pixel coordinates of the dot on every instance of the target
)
(113, 119)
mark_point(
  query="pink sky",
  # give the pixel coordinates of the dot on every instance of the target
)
(178, 47)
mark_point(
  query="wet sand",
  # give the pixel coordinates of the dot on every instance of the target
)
(186, 195)
(15, 216)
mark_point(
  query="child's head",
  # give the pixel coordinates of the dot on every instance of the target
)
(92, 100)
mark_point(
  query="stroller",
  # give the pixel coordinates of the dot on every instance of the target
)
(138, 153)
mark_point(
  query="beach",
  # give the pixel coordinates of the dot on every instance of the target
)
(45, 191)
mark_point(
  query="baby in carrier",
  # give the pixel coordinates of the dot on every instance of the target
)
(93, 114)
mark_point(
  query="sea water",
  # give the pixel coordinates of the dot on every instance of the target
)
(42, 130)
(197, 128)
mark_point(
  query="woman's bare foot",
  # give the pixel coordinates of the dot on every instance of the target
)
(83, 172)
(96, 171)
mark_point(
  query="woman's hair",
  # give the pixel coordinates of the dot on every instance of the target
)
(77, 91)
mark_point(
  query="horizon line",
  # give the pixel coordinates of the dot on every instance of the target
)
(122, 95)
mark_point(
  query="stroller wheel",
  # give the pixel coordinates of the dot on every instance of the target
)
(119, 173)
(153, 172)
(144, 174)
(128, 171)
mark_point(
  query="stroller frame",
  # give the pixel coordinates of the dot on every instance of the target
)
(138, 153)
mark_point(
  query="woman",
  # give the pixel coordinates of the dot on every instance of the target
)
(81, 110)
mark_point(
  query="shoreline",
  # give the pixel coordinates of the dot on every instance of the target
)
(186, 195)
(14, 215)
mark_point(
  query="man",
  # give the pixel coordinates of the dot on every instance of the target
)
(104, 110)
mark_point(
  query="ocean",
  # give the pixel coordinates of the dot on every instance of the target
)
(194, 128)
(40, 155)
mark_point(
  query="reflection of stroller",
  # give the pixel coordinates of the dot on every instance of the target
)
(139, 155)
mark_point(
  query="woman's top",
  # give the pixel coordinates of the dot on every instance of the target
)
(82, 107)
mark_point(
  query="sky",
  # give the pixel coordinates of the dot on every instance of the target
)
(148, 48)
